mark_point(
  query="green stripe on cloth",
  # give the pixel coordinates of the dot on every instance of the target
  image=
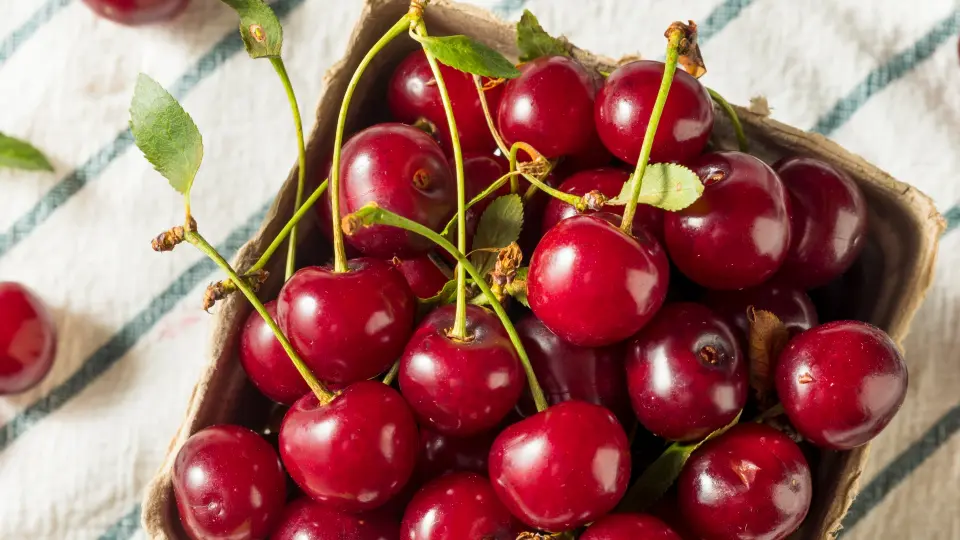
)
(720, 17)
(953, 217)
(25, 31)
(125, 528)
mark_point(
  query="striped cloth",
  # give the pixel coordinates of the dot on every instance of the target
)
(76, 452)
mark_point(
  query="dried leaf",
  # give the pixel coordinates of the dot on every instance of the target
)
(689, 50)
(768, 337)
(499, 227)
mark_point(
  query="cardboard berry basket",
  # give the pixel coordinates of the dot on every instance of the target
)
(885, 287)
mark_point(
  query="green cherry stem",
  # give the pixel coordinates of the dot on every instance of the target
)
(734, 119)
(288, 229)
(392, 374)
(301, 158)
(372, 214)
(323, 394)
(483, 195)
(486, 113)
(669, 70)
(339, 251)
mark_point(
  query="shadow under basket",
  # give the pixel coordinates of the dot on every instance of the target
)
(885, 287)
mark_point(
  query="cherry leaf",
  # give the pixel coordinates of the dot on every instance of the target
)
(665, 185)
(19, 154)
(768, 337)
(533, 41)
(469, 56)
(165, 134)
(499, 227)
(259, 27)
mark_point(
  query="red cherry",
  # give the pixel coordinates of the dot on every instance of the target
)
(441, 454)
(354, 453)
(750, 483)
(593, 285)
(28, 339)
(792, 306)
(482, 170)
(829, 222)
(686, 373)
(737, 234)
(624, 104)
(228, 483)
(403, 170)
(413, 94)
(461, 387)
(304, 519)
(549, 106)
(608, 181)
(533, 210)
(629, 527)
(424, 276)
(566, 371)
(841, 383)
(137, 12)
(593, 156)
(268, 366)
(457, 506)
(563, 467)
(347, 326)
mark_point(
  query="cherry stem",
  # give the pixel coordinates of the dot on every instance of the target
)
(514, 183)
(459, 330)
(392, 374)
(372, 214)
(339, 251)
(483, 195)
(734, 119)
(323, 394)
(287, 229)
(301, 157)
(569, 198)
(486, 113)
(669, 69)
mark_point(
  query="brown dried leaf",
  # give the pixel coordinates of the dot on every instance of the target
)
(768, 337)
(689, 50)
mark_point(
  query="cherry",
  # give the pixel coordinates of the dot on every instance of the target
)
(841, 383)
(461, 387)
(566, 371)
(457, 506)
(304, 519)
(533, 210)
(623, 107)
(549, 106)
(608, 181)
(592, 284)
(593, 156)
(563, 467)
(136, 12)
(686, 373)
(792, 306)
(829, 222)
(228, 483)
(737, 234)
(441, 454)
(268, 366)
(354, 453)
(629, 527)
(482, 170)
(28, 339)
(752, 482)
(424, 276)
(347, 326)
(413, 95)
(402, 169)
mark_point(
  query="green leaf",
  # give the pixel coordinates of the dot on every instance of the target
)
(518, 287)
(259, 27)
(665, 185)
(469, 56)
(499, 227)
(19, 154)
(534, 42)
(165, 134)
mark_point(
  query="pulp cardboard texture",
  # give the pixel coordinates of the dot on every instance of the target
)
(904, 228)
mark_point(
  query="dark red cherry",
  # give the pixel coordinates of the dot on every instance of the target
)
(136, 12)
(608, 181)
(28, 339)
(533, 210)
(629, 527)
(457, 506)
(402, 169)
(737, 234)
(304, 519)
(829, 222)
(441, 454)
(482, 170)
(593, 285)
(461, 387)
(413, 95)
(750, 483)
(424, 276)
(566, 371)
(841, 383)
(593, 156)
(563, 467)
(268, 366)
(549, 106)
(686, 373)
(347, 326)
(792, 306)
(228, 483)
(353, 453)
(624, 104)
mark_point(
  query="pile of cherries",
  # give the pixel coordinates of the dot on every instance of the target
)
(645, 331)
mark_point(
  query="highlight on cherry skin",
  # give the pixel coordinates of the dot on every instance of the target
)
(28, 339)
